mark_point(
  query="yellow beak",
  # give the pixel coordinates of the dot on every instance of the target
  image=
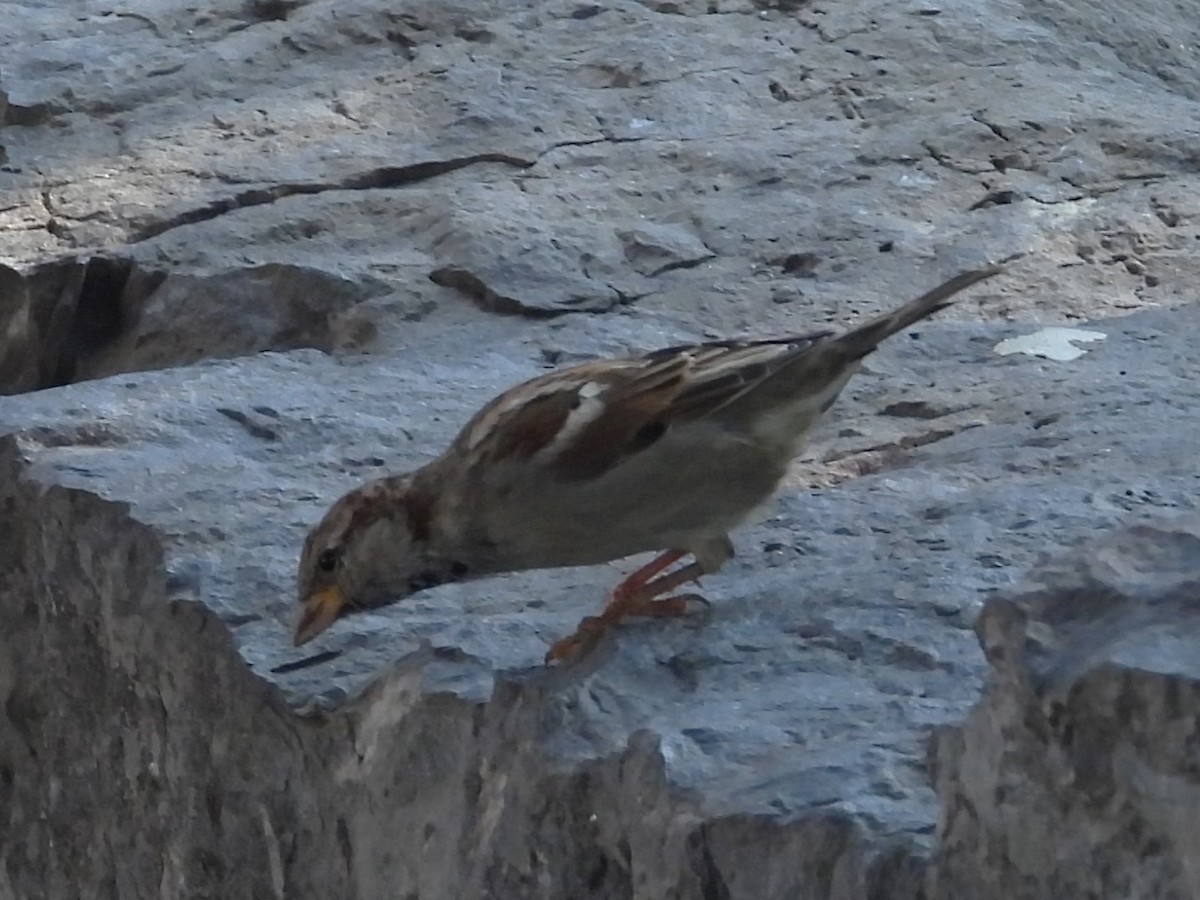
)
(320, 611)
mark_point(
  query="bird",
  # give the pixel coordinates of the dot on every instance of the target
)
(667, 451)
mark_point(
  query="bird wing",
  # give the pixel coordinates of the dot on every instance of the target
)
(580, 422)
(577, 423)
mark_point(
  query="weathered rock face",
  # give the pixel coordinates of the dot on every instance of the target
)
(1076, 774)
(795, 717)
(698, 159)
(139, 756)
(419, 204)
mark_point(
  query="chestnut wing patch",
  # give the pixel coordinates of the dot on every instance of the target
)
(629, 411)
(583, 421)
(640, 404)
(533, 426)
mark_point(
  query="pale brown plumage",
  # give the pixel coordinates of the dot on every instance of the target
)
(667, 451)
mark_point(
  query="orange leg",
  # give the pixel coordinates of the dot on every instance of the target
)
(635, 596)
(639, 580)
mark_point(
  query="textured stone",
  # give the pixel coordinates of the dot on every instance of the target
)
(1076, 774)
(119, 706)
(518, 141)
(795, 715)
(180, 183)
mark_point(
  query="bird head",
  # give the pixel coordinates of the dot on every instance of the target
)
(373, 547)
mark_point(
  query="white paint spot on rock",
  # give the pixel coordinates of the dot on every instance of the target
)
(1050, 343)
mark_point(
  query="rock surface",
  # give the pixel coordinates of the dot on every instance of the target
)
(120, 707)
(1076, 774)
(419, 205)
(697, 159)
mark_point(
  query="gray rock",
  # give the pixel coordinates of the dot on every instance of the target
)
(182, 183)
(795, 715)
(188, 318)
(62, 318)
(1075, 775)
(119, 706)
(518, 143)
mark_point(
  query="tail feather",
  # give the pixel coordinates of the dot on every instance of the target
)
(812, 374)
(860, 341)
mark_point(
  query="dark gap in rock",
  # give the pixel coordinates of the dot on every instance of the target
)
(59, 319)
(98, 320)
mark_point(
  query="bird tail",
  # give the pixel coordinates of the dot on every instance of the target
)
(858, 342)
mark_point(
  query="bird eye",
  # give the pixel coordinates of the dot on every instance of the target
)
(329, 559)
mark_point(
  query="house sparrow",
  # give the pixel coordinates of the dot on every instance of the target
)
(668, 452)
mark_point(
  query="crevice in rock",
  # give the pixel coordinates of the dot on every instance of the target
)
(845, 465)
(75, 319)
(375, 179)
(63, 314)
(255, 429)
(920, 409)
(140, 17)
(679, 264)
(100, 315)
(908, 442)
(948, 162)
(589, 142)
(484, 297)
(594, 297)
(996, 198)
(991, 126)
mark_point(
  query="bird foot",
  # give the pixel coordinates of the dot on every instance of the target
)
(663, 608)
(593, 628)
(586, 636)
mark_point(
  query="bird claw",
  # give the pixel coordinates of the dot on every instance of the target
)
(592, 629)
(586, 636)
(666, 607)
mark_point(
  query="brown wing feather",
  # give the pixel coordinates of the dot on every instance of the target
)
(672, 385)
(533, 426)
(723, 371)
(521, 421)
(635, 400)
(628, 420)
(609, 401)
(600, 413)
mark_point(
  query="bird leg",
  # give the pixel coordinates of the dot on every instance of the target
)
(640, 579)
(645, 599)
(638, 595)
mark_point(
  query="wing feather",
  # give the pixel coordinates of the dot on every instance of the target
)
(582, 421)
(639, 402)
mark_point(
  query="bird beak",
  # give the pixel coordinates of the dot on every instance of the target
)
(320, 611)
